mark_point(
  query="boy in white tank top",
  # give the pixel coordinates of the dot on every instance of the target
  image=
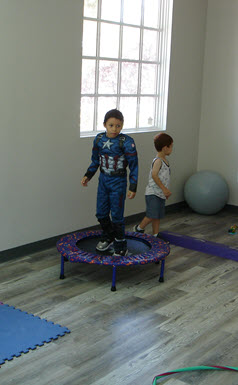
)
(157, 189)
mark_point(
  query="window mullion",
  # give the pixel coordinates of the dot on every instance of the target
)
(125, 60)
(120, 56)
(118, 23)
(159, 77)
(95, 118)
(140, 65)
(167, 42)
(163, 69)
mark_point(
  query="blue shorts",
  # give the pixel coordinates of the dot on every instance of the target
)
(155, 207)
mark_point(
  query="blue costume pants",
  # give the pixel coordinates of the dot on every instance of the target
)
(111, 197)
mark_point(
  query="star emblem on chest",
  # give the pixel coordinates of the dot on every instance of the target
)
(107, 144)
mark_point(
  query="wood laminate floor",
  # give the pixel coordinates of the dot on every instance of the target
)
(144, 328)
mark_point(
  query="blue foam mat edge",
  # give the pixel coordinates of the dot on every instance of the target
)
(21, 332)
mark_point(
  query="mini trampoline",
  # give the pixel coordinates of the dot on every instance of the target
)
(142, 248)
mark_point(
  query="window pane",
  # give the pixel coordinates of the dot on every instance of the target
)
(150, 45)
(148, 79)
(104, 105)
(147, 112)
(131, 41)
(89, 38)
(132, 12)
(128, 108)
(90, 8)
(151, 13)
(86, 114)
(129, 78)
(107, 77)
(88, 77)
(109, 43)
(110, 12)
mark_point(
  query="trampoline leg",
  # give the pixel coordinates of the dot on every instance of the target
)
(161, 278)
(62, 268)
(113, 288)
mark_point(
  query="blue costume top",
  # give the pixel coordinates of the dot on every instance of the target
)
(113, 155)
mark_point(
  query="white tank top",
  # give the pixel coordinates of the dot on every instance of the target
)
(164, 175)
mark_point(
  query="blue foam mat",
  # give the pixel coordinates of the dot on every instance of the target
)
(217, 249)
(20, 332)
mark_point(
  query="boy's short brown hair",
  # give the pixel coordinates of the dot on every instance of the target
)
(115, 113)
(161, 140)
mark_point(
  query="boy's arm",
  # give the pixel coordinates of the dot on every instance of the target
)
(94, 164)
(155, 171)
(84, 181)
(131, 194)
(132, 160)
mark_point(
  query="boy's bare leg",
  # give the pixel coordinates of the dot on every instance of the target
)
(145, 221)
(155, 225)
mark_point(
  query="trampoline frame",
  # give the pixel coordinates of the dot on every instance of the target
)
(67, 247)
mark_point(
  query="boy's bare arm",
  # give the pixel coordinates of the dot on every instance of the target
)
(155, 171)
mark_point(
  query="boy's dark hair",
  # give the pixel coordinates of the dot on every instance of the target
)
(161, 140)
(113, 114)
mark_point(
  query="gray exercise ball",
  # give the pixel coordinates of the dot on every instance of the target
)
(206, 192)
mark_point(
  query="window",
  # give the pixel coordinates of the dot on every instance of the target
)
(125, 63)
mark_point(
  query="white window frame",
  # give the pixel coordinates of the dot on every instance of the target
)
(162, 68)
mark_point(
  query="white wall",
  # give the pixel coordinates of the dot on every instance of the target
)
(184, 108)
(218, 142)
(42, 157)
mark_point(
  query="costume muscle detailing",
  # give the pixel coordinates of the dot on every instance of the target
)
(164, 175)
(113, 155)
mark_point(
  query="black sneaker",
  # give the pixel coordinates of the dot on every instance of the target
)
(104, 244)
(122, 253)
(135, 228)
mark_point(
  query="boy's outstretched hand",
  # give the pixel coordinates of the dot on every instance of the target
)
(84, 181)
(131, 195)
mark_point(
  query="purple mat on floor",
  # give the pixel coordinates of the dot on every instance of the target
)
(20, 332)
(217, 249)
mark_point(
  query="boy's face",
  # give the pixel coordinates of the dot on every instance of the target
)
(113, 127)
(168, 149)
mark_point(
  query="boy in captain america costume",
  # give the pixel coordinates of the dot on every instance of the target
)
(113, 152)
